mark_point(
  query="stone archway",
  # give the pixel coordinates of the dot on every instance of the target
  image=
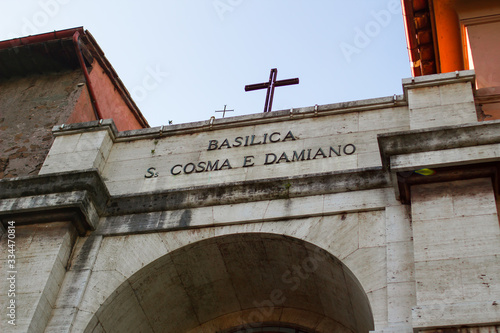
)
(236, 282)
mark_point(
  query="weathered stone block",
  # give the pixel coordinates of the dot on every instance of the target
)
(79, 152)
(398, 224)
(401, 297)
(443, 115)
(456, 314)
(100, 286)
(437, 283)
(400, 262)
(372, 229)
(369, 265)
(445, 158)
(378, 302)
(384, 119)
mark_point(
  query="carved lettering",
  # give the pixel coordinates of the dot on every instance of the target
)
(337, 152)
(306, 154)
(212, 144)
(352, 149)
(273, 135)
(319, 153)
(226, 164)
(151, 173)
(211, 167)
(283, 158)
(250, 140)
(225, 143)
(252, 143)
(176, 172)
(191, 167)
(289, 135)
(268, 161)
(298, 157)
(237, 141)
(248, 161)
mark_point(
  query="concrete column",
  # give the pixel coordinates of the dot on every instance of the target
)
(79, 151)
(42, 252)
(73, 286)
(400, 269)
(441, 100)
(457, 254)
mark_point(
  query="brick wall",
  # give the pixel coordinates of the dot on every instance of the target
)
(29, 108)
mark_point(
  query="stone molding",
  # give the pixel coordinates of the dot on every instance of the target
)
(232, 122)
(249, 191)
(455, 152)
(79, 197)
(438, 138)
(437, 80)
(82, 197)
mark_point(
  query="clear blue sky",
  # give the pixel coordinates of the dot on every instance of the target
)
(183, 59)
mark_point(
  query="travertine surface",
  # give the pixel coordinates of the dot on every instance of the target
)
(42, 254)
(457, 248)
(352, 136)
(78, 152)
(443, 105)
(318, 240)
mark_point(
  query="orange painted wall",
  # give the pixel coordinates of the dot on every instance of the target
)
(448, 36)
(448, 16)
(110, 101)
(83, 111)
(476, 8)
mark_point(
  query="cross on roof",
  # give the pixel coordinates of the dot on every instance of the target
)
(224, 111)
(270, 85)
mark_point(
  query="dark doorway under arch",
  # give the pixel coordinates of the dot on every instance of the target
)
(271, 329)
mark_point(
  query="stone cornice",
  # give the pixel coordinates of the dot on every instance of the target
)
(87, 180)
(232, 122)
(438, 138)
(248, 191)
(454, 152)
(437, 80)
(82, 197)
(79, 197)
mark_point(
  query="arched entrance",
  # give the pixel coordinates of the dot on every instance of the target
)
(237, 282)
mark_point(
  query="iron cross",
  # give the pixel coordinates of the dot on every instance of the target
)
(270, 87)
(224, 111)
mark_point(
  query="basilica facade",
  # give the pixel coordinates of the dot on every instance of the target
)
(376, 215)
